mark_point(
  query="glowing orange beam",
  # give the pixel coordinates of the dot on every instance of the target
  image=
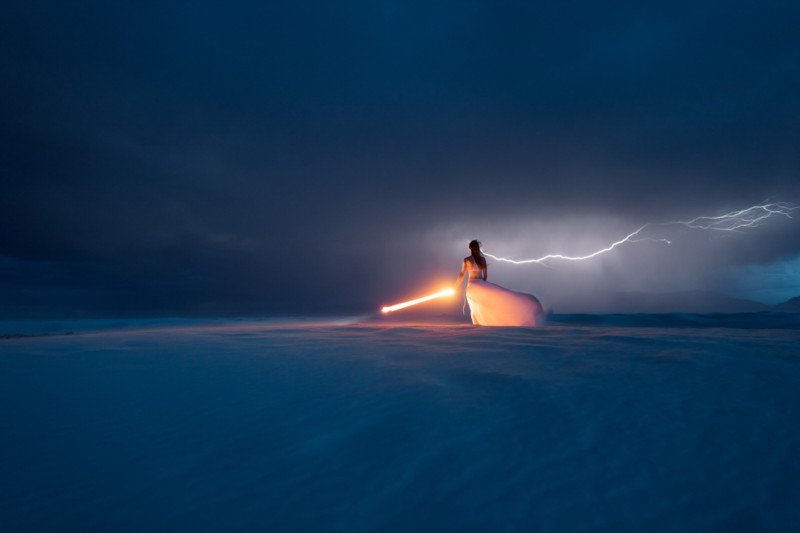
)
(403, 305)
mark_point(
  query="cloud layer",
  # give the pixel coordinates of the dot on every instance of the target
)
(258, 158)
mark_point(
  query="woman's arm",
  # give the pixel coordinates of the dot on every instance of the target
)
(485, 270)
(461, 275)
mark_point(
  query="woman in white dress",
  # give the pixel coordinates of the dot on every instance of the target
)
(490, 304)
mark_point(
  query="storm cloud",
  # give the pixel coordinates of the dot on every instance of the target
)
(251, 158)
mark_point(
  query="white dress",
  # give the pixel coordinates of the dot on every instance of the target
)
(492, 305)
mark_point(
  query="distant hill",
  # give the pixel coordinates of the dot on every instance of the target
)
(661, 302)
(789, 306)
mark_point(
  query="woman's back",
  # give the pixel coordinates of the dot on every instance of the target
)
(474, 270)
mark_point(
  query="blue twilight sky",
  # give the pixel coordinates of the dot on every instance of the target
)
(258, 157)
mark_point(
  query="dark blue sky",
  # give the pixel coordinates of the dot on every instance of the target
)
(249, 157)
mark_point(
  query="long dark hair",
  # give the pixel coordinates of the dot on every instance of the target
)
(477, 256)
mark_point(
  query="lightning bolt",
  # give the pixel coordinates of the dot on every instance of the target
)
(734, 221)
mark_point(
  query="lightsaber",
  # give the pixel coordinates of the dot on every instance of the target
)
(403, 305)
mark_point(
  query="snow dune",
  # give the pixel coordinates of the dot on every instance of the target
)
(576, 426)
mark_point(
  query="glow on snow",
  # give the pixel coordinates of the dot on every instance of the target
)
(403, 305)
(750, 217)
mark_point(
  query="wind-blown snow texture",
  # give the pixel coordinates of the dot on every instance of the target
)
(393, 426)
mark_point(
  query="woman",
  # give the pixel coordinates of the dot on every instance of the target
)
(490, 304)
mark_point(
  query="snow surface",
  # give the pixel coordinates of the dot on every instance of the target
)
(584, 425)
